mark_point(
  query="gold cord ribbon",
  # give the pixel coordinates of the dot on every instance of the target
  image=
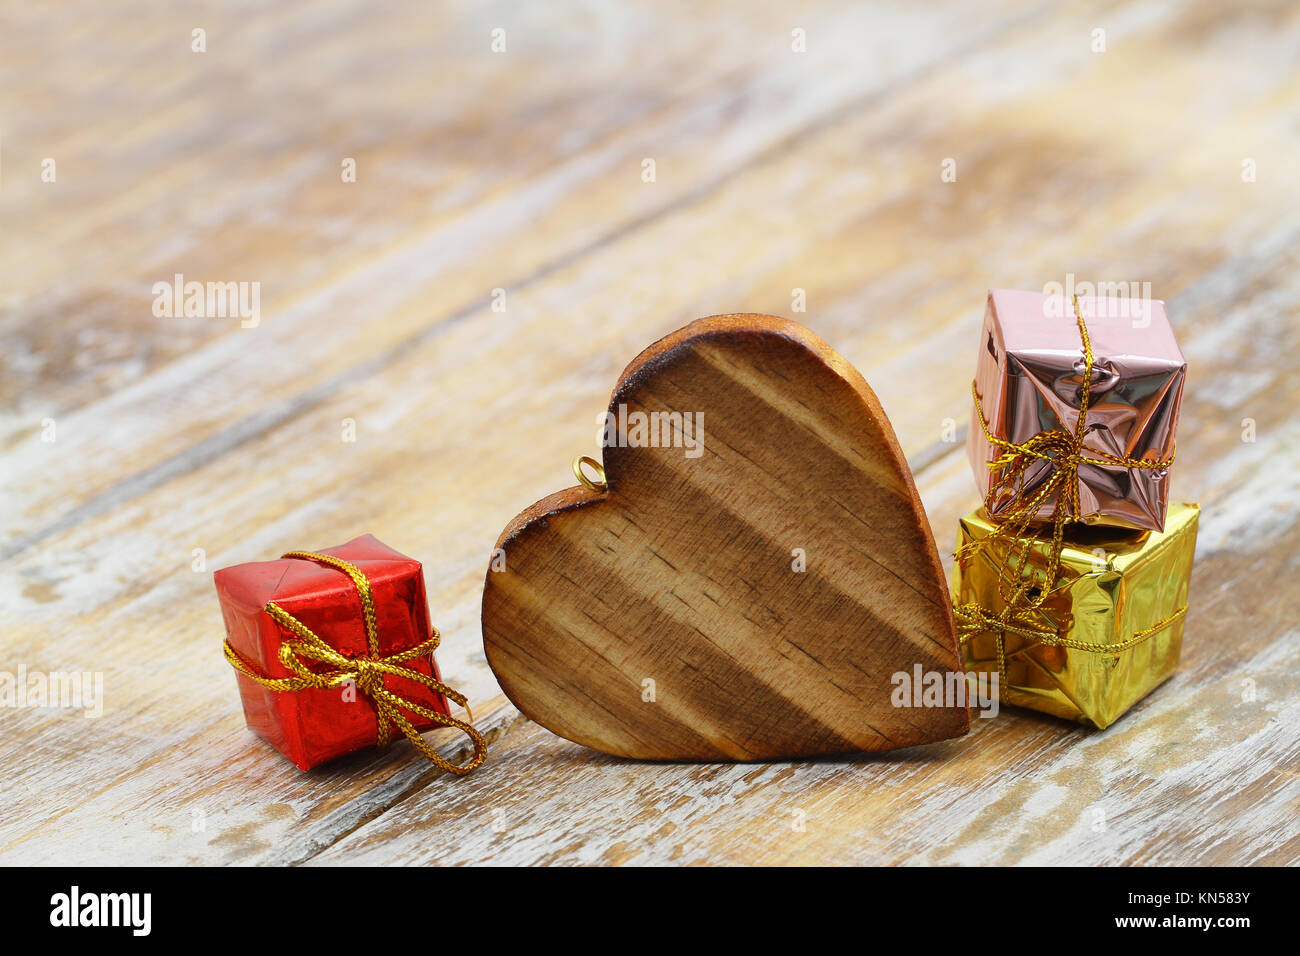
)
(1022, 594)
(972, 619)
(367, 673)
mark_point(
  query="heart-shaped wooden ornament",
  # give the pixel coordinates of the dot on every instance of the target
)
(753, 577)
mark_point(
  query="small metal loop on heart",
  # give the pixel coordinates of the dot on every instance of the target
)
(597, 484)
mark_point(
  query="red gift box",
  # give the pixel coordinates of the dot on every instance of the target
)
(314, 724)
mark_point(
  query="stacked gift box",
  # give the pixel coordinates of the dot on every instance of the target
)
(1070, 583)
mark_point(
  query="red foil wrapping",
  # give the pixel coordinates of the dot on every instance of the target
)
(314, 725)
(1028, 379)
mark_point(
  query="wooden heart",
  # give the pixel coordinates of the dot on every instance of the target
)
(666, 616)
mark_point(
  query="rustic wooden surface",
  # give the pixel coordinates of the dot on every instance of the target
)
(744, 586)
(522, 171)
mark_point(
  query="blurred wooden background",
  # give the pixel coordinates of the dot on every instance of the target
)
(522, 171)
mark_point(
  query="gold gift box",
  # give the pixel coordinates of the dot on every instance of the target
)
(1112, 628)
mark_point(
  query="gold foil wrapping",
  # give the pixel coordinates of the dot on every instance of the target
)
(1114, 587)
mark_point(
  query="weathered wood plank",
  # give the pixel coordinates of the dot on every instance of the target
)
(467, 197)
(122, 435)
(834, 190)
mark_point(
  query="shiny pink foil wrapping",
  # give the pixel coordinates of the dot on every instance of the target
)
(1029, 376)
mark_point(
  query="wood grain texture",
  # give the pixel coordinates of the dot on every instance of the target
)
(776, 171)
(755, 572)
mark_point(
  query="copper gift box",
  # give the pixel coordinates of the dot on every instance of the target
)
(1028, 381)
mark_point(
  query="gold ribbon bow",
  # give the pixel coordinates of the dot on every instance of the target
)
(367, 673)
(1022, 593)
